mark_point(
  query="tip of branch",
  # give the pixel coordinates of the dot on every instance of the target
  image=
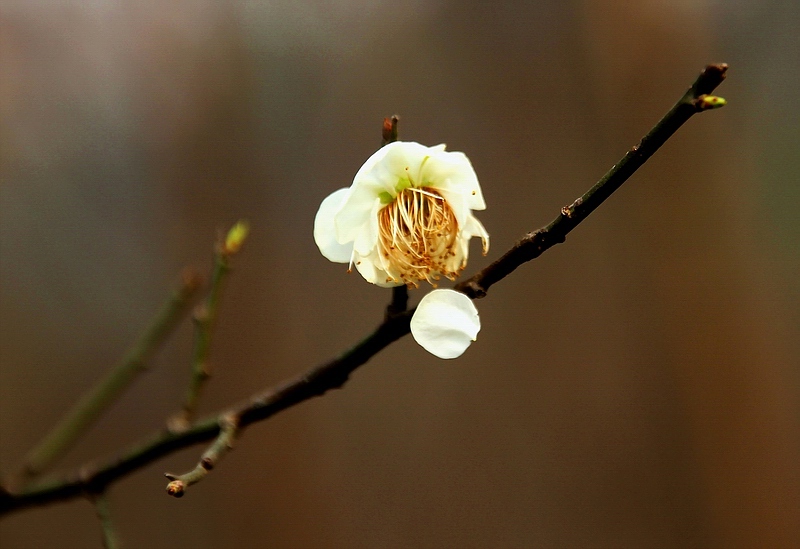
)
(390, 129)
(715, 71)
(236, 237)
(711, 77)
(176, 488)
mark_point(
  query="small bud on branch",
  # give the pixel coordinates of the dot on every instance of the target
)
(705, 102)
(229, 427)
(236, 237)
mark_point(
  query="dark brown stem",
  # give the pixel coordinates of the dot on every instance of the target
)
(533, 244)
(94, 478)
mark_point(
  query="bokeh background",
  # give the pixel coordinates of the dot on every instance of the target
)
(636, 386)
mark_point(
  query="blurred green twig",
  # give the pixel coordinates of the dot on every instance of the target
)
(204, 318)
(103, 510)
(106, 391)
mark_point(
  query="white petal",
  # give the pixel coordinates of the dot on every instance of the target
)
(325, 230)
(453, 171)
(354, 215)
(406, 159)
(473, 227)
(367, 239)
(369, 267)
(445, 323)
(457, 203)
(376, 157)
(383, 170)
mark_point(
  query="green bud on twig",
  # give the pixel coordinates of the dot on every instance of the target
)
(236, 237)
(710, 102)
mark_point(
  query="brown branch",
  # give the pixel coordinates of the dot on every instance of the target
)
(532, 245)
(335, 373)
(316, 382)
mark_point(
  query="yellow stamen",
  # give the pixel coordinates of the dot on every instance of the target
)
(418, 236)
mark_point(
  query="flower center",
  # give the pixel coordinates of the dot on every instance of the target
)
(417, 236)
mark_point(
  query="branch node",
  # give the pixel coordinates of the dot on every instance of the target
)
(178, 423)
(399, 303)
(201, 314)
(473, 289)
(569, 211)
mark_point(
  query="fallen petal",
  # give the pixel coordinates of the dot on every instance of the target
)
(445, 323)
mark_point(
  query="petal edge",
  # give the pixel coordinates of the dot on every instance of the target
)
(325, 228)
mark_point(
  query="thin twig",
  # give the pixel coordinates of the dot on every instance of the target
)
(229, 427)
(204, 318)
(695, 100)
(315, 382)
(335, 373)
(134, 362)
(101, 506)
(389, 133)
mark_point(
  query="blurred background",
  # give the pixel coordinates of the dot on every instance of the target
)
(637, 386)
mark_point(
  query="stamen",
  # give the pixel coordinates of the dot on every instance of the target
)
(418, 235)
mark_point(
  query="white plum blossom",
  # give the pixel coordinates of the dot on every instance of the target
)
(408, 218)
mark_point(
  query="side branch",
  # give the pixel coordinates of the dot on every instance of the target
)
(103, 511)
(695, 100)
(317, 381)
(205, 317)
(229, 427)
(93, 403)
